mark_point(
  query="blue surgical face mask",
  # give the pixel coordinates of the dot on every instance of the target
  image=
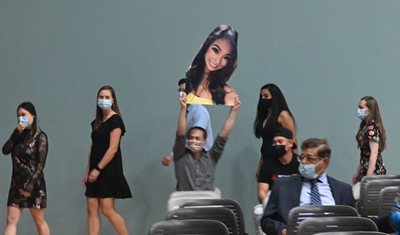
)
(361, 113)
(24, 120)
(104, 104)
(308, 170)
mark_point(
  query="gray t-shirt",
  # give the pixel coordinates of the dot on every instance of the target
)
(196, 174)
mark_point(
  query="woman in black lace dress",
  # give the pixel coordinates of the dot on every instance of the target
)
(104, 178)
(28, 147)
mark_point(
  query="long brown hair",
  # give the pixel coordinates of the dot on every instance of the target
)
(373, 116)
(99, 112)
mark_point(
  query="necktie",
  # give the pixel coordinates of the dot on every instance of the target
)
(315, 196)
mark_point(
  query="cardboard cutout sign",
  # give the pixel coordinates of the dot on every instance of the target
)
(212, 67)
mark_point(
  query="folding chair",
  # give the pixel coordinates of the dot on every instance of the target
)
(369, 195)
(201, 193)
(186, 227)
(221, 214)
(227, 203)
(298, 214)
(386, 197)
(179, 197)
(352, 233)
(336, 224)
(366, 179)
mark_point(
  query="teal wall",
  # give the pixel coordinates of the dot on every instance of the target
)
(325, 55)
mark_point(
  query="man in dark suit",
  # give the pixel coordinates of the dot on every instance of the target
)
(311, 187)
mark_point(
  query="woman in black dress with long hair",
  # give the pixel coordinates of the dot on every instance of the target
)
(104, 178)
(272, 112)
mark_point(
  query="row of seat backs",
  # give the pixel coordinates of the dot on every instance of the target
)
(336, 224)
(386, 197)
(221, 214)
(352, 233)
(177, 198)
(299, 214)
(186, 227)
(371, 198)
(229, 204)
(206, 205)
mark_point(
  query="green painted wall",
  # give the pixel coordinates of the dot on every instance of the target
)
(324, 55)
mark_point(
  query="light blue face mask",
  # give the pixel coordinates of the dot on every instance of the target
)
(361, 114)
(104, 104)
(24, 120)
(308, 170)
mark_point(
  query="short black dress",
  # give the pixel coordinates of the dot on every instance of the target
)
(111, 182)
(28, 153)
(267, 151)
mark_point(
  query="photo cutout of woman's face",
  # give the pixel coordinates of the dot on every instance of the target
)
(212, 67)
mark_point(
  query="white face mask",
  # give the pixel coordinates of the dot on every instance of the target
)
(195, 145)
(361, 113)
(104, 104)
(24, 120)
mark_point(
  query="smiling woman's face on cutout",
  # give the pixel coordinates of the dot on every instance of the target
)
(217, 55)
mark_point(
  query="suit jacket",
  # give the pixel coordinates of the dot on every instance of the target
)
(285, 195)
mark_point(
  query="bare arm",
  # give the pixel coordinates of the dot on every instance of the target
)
(374, 147)
(287, 121)
(230, 121)
(181, 130)
(355, 176)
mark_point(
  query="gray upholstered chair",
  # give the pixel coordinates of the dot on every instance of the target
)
(180, 227)
(336, 224)
(298, 214)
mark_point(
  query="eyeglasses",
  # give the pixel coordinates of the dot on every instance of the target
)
(308, 158)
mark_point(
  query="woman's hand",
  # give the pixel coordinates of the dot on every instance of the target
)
(93, 176)
(20, 127)
(236, 103)
(166, 160)
(182, 100)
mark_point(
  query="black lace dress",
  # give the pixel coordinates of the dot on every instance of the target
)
(28, 153)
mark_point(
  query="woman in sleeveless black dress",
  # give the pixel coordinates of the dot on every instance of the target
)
(104, 179)
(28, 146)
(272, 112)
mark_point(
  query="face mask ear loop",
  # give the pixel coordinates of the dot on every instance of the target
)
(316, 164)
